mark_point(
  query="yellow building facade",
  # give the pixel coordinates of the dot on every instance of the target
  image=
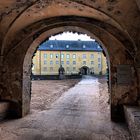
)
(81, 61)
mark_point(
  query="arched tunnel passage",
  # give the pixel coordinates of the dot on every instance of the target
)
(76, 109)
(115, 109)
(59, 30)
(114, 24)
(106, 39)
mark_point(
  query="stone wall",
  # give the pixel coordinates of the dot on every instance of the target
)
(110, 22)
(138, 3)
(4, 110)
(132, 115)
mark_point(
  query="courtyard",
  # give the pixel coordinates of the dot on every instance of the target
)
(67, 110)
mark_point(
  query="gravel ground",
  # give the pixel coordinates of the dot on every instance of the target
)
(81, 113)
(45, 92)
(103, 95)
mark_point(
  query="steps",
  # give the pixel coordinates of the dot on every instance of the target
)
(132, 114)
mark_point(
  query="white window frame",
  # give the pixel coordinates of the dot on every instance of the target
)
(68, 56)
(51, 55)
(74, 62)
(51, 62)
(62, 56)
(84, 56)
(45, 55)
(68, 62)
(92, 56)
(74, 56)
(45, 62)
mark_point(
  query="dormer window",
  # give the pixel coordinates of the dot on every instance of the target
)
(84, 46)
(51, 46)
(67, 46)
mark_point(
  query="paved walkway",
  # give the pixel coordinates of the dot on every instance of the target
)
(77, 115)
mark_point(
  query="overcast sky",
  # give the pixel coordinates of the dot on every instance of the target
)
(70, 36)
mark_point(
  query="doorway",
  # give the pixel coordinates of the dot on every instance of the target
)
(84, 70)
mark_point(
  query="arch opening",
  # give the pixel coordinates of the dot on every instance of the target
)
(116, 114)
(26, 25)
(85, 70)
(110, 44)
(87, 55)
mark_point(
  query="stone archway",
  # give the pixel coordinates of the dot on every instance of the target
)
(42, 37)
(21, 74)
(84, 70)
(111, 62)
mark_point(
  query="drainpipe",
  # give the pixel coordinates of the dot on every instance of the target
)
(60, 58)
(40, 61)
(101, 64)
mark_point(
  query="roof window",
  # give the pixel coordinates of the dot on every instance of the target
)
(67, 46)
(84, 46)
(51, 46)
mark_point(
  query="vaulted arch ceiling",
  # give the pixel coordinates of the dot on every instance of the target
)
(114, 22)
(121, 15)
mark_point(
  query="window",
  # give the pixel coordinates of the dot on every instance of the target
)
(62, 62)
(51, 46)
(68, 69)
(45, 55)
(99, 59)
(74, 56)
(51, 55)
(57, 62)
(92, 56)
(84, 62)
(51, 69)
(68, 62)
(57, 55)
(99, 47)
(45, 62)
(84, 56)
(74, 62)
(92, 69)
(84, 46)
(74, 68)
(51, 62)
(45, 68)
(68, 56)
(92, 62)
(62, 55)
(67, 46)
(99, 65)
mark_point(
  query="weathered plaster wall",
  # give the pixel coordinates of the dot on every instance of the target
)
(111, 21)
(21, 10)
(19, 89)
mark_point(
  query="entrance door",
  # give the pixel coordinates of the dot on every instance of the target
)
(84, 70)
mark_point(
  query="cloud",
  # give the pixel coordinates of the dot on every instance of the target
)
(71, 36)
